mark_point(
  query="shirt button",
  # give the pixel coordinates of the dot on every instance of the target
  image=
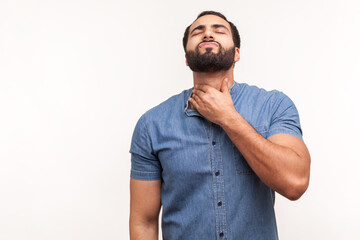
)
(217, 173)
(219, 204)
(213, 143)
(221, 234)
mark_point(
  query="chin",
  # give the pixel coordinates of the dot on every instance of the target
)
(210, 50)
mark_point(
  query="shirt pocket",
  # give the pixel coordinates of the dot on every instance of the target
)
(241, 165)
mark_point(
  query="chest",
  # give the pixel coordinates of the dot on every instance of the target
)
(192, 148)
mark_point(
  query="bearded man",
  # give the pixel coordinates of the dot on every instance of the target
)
(214, 155)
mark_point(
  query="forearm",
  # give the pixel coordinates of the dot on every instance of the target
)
(143, 231)
(277, 166)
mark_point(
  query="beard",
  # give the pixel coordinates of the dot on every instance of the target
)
(209, 61)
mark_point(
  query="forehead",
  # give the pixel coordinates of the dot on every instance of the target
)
(209, 20)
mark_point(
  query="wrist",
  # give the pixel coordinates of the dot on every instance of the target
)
(230, 119)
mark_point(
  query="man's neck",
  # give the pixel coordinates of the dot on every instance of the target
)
(214, 79)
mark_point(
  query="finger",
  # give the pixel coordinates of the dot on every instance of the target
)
(194, 103)
(196, 97)
(224, 85)
(199, 93)
(203, 87)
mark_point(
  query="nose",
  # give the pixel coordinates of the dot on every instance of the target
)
(208, 35)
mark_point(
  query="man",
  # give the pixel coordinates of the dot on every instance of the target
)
(213, 155)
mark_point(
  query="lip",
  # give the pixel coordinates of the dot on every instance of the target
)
(208, 44)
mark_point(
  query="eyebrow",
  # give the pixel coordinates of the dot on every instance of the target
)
(212, 26)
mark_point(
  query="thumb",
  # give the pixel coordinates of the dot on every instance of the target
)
(224, 85)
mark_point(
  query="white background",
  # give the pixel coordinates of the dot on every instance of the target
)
(75, 76)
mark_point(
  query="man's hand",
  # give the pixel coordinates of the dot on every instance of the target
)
(216, 106)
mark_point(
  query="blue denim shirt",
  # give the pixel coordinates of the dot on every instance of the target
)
(208, 189)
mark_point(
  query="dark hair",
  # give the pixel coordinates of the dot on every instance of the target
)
(234, 31)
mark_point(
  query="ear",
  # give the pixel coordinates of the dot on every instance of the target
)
(186, 61)
(237, 54)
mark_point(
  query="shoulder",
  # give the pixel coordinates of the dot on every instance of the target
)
(168, 108)
(258, 105)
(260, 95)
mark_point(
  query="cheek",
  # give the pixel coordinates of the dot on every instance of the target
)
(228, 42)
(191, 45)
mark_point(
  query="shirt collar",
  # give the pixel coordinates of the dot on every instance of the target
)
(191, 112)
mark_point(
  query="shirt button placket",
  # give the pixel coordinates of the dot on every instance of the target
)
(218, 162)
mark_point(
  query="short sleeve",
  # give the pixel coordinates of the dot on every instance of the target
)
(285, 117)
(145, 165)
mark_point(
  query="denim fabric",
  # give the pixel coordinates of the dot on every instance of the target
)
(208, 189)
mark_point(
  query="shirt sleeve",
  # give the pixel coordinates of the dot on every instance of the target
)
(145, 165)
(285, 118)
